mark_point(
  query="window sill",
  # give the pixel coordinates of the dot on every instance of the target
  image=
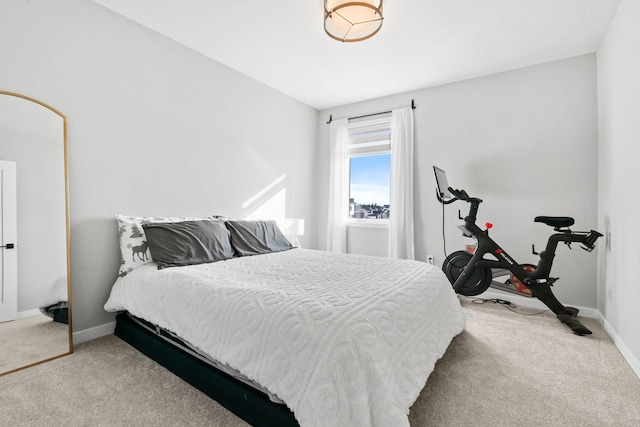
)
(368, 223)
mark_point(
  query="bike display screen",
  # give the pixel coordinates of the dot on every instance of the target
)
(441, 182)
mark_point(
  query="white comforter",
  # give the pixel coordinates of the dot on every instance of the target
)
(56, 293)
(344, 340)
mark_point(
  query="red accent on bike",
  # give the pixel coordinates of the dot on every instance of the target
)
(488, 225)
(498, 251)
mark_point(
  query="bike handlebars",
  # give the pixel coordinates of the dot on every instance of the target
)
(462, 195)
(589, 243)
(587, 239)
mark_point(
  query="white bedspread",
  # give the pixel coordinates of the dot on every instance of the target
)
(56, 293)
(344, 340)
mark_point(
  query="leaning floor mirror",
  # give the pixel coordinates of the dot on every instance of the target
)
(35, 282)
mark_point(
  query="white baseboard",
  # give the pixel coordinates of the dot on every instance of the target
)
(534, 302)
(628, 355)
(93, 333)
(28, 313)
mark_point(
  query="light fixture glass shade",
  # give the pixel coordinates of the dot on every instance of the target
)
(352, 21)
(294, 226)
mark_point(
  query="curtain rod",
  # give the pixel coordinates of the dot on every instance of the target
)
(413, 107)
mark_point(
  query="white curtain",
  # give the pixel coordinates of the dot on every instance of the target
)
(338, 187)
(401, 200)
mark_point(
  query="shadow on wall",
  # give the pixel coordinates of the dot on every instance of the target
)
(608, 277)
(95, 261)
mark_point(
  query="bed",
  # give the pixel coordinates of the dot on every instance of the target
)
(55, 302)
(316, 338)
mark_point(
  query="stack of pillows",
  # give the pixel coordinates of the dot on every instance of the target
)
(174, 242)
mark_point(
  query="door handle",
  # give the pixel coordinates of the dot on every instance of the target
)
(8, 246)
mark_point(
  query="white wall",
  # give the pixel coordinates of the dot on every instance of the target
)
(525, 141)
(372, 241)
(154, 129)
(618, 59)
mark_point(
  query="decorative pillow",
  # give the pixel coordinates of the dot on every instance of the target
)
(133, 242)
(256, 237)
(174, 244)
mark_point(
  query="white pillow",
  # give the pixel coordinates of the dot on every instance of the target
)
(134, 250)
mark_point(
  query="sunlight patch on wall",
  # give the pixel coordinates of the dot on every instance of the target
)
(268, 203)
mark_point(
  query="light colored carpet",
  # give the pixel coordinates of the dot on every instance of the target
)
(505, 369)
(30, 340)
(508, 369)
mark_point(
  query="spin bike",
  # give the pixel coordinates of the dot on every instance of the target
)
(471, 274)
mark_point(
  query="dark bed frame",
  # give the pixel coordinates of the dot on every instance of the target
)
(246, 402)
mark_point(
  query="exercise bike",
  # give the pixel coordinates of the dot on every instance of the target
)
(471, 274)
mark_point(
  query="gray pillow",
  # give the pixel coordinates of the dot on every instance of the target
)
(256, 237)
(174, 244)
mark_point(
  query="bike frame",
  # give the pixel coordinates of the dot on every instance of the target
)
(537, 280)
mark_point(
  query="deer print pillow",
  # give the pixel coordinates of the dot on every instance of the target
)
(134, 250)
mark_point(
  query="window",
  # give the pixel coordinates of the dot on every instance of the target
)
(370, 169)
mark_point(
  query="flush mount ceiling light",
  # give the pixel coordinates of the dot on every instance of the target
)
(352, 21)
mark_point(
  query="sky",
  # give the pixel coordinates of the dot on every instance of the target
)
(370, 179)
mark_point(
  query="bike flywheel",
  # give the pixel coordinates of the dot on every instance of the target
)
(475, 284)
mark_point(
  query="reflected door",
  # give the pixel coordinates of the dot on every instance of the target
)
(8, 231)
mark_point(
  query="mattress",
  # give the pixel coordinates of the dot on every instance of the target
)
(342, 339)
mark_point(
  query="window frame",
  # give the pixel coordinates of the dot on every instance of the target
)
(368, 131)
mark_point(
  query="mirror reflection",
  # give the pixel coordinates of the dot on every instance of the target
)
(34, 287)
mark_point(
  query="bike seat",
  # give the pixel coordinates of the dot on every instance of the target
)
(555, 221)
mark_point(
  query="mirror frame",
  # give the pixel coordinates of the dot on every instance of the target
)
(68, 231)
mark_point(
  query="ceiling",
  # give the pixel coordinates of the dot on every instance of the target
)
(422, 43)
